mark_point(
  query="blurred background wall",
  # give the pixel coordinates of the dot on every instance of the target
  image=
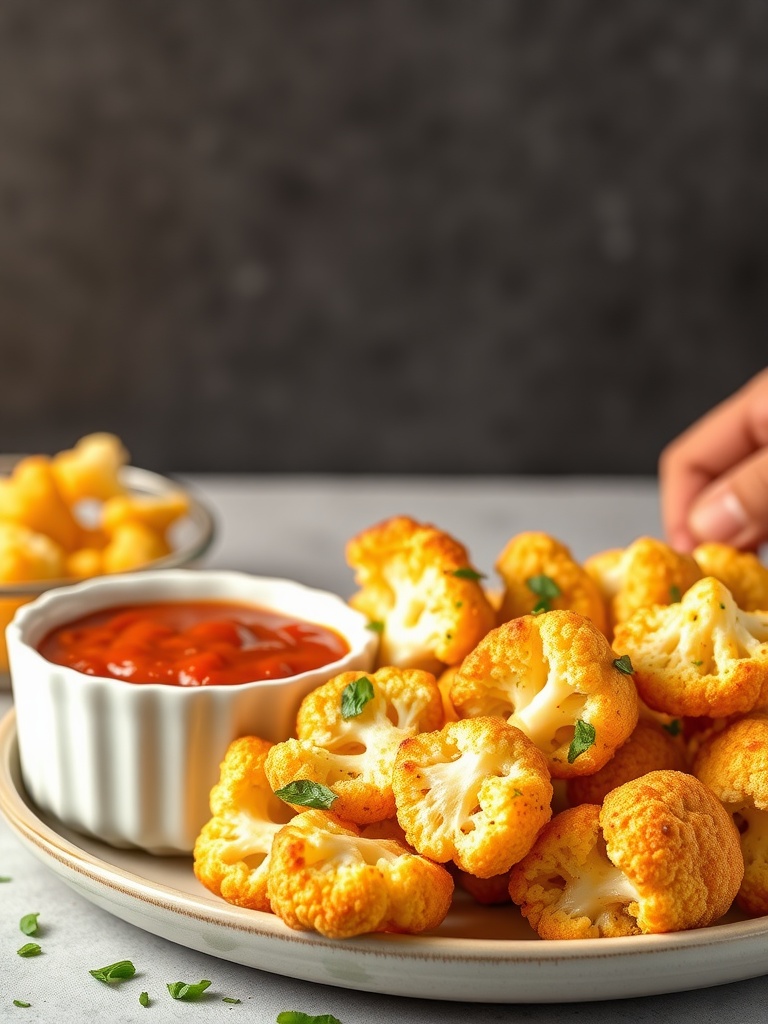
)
(400, 236)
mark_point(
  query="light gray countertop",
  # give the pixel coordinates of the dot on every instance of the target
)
(297, 528)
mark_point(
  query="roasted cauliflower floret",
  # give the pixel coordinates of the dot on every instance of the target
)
(742, 572)
(651, 747)
(567, 888)
(349, 743)
(701, 656)
(30, 497)
(648, 572)
(231, 855)
(661, 855)
(418, 585)
(476, 793)
(734, 764)
(540, 573)
(26, 555)
(555, 677)
(324, 876)
(91, 469)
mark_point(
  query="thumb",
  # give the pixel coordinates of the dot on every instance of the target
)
(734, 509)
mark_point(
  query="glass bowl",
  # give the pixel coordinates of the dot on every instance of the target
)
(190, 539)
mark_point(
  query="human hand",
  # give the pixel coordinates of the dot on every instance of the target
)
(714, 476)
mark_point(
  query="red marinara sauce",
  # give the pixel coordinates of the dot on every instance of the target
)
(195, 643)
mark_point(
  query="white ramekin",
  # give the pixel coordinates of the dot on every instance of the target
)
(133, 764)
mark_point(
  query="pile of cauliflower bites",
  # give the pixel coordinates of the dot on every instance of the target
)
(637, 683)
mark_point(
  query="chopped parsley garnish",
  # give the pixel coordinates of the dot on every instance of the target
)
(697, 663)
(466, 572)
(545, 588)
(355, 696)
(674, 727)
(674, 594)
(5, 878)
(517, 792)
(297, 1017)
(229, 999)
(114, 972)
(187, 992)
(722, 606)
(623, 664)
(144, 998)
(458, 604)
(20, 1002)
(28, 924)
(304, 793)
(30, 949)
(583, 739)
(375, 626)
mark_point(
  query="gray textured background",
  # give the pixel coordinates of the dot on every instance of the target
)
(397, 236)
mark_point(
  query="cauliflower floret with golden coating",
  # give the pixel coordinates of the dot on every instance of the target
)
(533, 558)
(30, 496)
(231, 855)
(554, 676)
(354, 756)
(417, 582)
(567, 888)
(646, 573)
(661, 855)
(476, 793)
(701, 656)
(742, 572)
(324, 876)
(26, 555)
(91, 469)
(650, 747)
(734, 764)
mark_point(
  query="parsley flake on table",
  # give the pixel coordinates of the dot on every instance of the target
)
(355, 696)
(583, 739)
(545, 588)
(297, 1017)
(5, 878)
(229, 999)
(29, 949)
(20, 1002)
(189, 993)
(118, 971)
(304, 793)
(144, 998)
(28, 924)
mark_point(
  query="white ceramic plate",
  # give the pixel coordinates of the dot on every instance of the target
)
(478, 954)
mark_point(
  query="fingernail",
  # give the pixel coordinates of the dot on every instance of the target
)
(720, 517)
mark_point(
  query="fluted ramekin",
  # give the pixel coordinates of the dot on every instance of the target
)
(133, 764)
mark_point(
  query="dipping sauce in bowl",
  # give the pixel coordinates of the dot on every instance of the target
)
(134, 765)
(190, 643)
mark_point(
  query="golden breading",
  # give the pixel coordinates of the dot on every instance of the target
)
(231, 855)
(742, 572)
(91, 469)
(649, 748)
(530, 556)
(324, 876)
(355, 756)
(646, 573)
(554, 676)
(701, 656)
(418, 585)
(30, 496)
(734, 764)
(661, 855)
(476, 793)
